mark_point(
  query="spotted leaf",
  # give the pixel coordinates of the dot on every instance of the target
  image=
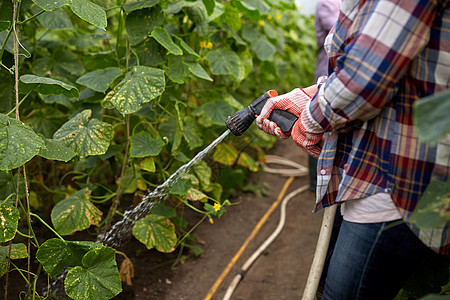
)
(86, 136)
(9, 220)
(203, 173)
(75, 213)
(56, 150)
(141, 85)
(225, 154)
(18, 143)
(55, 255)
(97, 278)
(17, 251)
(156, 231)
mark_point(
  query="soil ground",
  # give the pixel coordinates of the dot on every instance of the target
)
(279, 273)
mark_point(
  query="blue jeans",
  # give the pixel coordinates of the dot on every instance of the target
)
(371, 261)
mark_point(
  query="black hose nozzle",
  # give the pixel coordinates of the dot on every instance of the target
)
(240, 121)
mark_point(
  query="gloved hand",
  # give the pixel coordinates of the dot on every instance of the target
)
(306, 133)
(293, 102)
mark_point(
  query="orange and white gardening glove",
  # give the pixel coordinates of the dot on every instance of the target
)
(294, 102)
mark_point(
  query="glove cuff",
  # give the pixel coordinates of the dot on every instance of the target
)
(310, 124)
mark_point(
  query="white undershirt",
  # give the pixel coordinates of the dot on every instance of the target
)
(372, 209)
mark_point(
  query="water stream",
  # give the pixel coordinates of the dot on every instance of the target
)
(121, 229)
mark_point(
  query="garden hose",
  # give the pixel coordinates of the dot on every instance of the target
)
(237, 278)
(298, 171)
(235, 258)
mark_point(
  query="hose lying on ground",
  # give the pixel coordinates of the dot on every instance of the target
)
(298, 170)
(237, 278)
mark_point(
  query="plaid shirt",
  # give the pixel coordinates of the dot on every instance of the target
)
(384, 56)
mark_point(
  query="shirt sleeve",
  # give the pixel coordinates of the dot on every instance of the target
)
(327, 12)
(379, 46)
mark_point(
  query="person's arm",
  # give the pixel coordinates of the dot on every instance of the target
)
(386, 36)
(327, 12)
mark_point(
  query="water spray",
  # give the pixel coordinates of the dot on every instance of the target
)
(241, 120)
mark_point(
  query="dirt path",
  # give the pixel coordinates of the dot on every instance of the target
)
(280, 273)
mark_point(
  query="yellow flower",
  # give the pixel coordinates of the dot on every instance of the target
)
(269, 18)
(202, 45)
(211, 221)
(261, 23)
(217, 206)
(209, 45)
(279, 16)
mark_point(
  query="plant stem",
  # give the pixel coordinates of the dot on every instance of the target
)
(191, 230)
(31, 18)
(112, 210)
(48, 226)
(19, 103)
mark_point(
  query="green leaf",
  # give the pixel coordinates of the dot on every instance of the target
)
(4, 25)
(197, 70)
(176, 69)
(86, 136)
(135, 5)
(75, 213)
(9, 219)
(57, 19)
(100, 80)
(263, 49)
(140, 23)
(231, 18)
(160, 34)
(143, 145)
(55, 255)
(164, 211)
(433, 209)
(224, 62)
(431, 116)
(6, 10)
(25, 43)
(209, 5)
(150, 53)
(86, 10)
(141, 85)
(56, 150)
(225, 154)
(46, 120)
(46, 86)
(18, 143)
(192, 132)
(17, 251)
(251, 12)
(217, 112)
(61, 64)
(219, 10)
(181, 187)
(97, 278)
(186, 47)
(156, 231)
(59, 99)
